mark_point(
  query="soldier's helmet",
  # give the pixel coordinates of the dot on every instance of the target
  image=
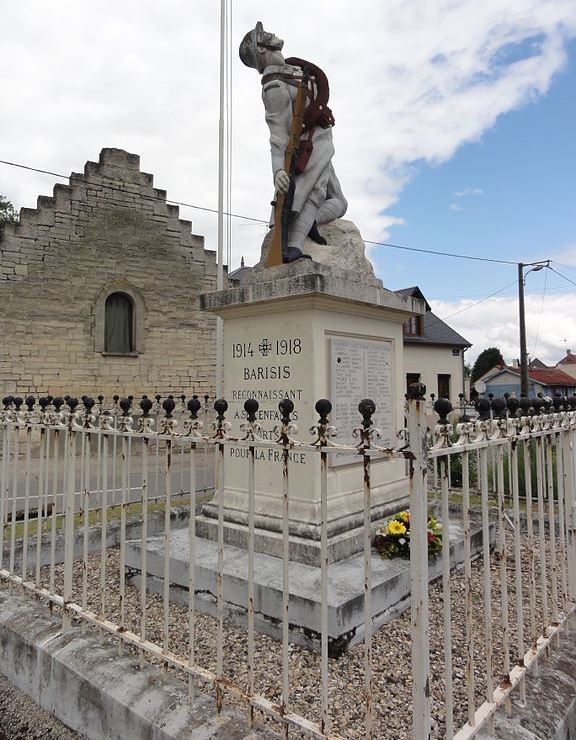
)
(249, 48)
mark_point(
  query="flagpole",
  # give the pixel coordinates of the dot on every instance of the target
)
(221, 157)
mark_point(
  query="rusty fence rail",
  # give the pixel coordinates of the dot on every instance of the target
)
(99, 480)
(515, 468)
(84, 481)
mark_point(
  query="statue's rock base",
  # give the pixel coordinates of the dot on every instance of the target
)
(344, 252)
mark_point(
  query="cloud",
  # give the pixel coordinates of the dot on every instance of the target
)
(411, 81)
(468, 191)
(565, 257)
(550, 325)
(465, 193)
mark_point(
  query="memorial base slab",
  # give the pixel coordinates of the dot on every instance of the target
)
(390, 586)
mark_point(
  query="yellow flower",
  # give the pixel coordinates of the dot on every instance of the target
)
(404, 516)
(395, 527)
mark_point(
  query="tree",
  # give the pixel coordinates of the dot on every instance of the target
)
(8, 214)
(485, 361)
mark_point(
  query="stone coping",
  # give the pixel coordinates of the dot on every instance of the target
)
(298, 280)
(92, 689)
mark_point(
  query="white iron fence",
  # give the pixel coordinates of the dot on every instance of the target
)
(77, 486)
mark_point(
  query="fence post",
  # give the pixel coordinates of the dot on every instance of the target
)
(417, 455)
(569, 483)
(69, 510)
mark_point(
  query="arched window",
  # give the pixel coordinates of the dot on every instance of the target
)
(119, 320)
(119, 324)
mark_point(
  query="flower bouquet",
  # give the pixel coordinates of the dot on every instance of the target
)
(392, 540)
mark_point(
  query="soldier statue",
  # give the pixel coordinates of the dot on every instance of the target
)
(304, 178)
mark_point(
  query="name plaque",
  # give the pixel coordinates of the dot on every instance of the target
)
(360, 368)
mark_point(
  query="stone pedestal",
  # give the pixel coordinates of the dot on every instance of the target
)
(307, 331)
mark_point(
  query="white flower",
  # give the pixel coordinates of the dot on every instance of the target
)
(402, 541)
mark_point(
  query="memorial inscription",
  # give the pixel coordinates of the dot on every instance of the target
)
(361, 368)
(268, 370)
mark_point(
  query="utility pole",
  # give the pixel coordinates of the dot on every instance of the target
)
(523, 357)
(536, 266)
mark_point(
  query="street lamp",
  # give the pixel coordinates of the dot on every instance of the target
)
(535, 267)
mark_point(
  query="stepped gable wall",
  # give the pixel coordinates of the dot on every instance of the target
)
(109, 230)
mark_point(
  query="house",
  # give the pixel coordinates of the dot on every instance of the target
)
(433, 352)
(98, 290)
(546, 380)
(568, 364)
(536, 364)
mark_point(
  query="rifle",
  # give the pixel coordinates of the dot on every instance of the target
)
(283, 202)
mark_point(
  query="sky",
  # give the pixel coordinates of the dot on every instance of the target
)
(454, 132)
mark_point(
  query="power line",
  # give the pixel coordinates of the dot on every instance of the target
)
(83, 178)
(467, 308)
(442, 254)
(421, 250)
(511, 295)
(562, 276)
(501, 290)
(477, 303)
(566, 267)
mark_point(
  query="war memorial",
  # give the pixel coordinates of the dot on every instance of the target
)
(133, 606)
(310, 322)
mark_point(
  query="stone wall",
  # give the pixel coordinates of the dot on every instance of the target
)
(108, 231)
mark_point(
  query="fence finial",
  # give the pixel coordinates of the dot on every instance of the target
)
(251, 406)
(168, 405)
(125, 405)
(417, 391)
(367, 407)
(323, 408)
(286, 407)
(483, 408)
(194, 405)
(146, 405)
(220, 407)
(498, 406)
(88, 403)
(443, 407)
(512, 404)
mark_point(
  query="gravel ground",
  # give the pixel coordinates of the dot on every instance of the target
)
(392, 680)
(22, 719)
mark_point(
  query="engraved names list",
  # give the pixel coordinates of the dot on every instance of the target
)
(361, 368)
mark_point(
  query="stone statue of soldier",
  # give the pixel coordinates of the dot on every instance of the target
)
(318, 197)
